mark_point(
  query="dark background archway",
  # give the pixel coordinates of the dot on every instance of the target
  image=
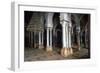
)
(57, 31)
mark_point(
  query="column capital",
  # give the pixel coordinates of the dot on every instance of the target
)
(64, 19)
(49, 19)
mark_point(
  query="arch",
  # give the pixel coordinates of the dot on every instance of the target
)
(57, 31)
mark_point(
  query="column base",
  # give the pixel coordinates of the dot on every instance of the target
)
(65, 52)
(35, 45)
(41, 46)
(49, 49)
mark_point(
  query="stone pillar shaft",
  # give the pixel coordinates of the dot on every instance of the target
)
(66, 35)
(34, 40)
(39, 39)
(69, 34)
(69, 31)
(42, 38)
(31, 39)
(47, 37)
(50, 38)
(49, 26)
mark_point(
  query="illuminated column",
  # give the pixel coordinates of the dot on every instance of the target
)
(50, 38)
(49, 47)
(69, 35)
(49, 26)
(42, 40)
(64, 35)
(66, 49)
(31, 39)
(34, 39)
(39, 39)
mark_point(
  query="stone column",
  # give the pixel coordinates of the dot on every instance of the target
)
(66, 49)
(50, 38)
(49, 26)
(54, 38)
(34, 39)
(39, 39)
(47, 38)
(42, 39)
(64, 33)
(31, 39)
(69, 35)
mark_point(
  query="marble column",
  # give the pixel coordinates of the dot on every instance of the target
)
(49, 26)
(66, 49)
(86, 40)
(47, 38)
(39, 39)
(50, 38)
(34, 39)
(69, 35)
(31, 39)
(42, 39)
(64, 34)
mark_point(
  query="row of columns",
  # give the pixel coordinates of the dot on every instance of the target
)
(40, 39)
(65, 21)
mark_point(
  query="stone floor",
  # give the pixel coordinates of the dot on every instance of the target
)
(35, 54)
